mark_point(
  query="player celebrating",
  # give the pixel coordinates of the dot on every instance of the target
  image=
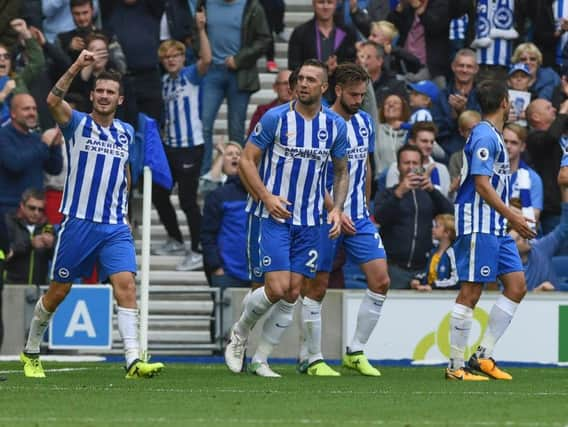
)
(283, 164)
(484, 250)
(95, 203)
(360, 239)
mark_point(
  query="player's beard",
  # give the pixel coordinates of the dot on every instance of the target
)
(349, 109)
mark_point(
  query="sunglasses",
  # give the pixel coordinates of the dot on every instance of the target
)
(35, 208)
(529, 58)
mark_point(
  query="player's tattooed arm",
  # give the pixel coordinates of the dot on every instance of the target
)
(340, 182)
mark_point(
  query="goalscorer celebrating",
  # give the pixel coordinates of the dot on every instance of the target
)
(95, 202)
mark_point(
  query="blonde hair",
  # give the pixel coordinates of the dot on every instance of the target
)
(388, 28)
(518, 130)
(468, 117)
(168, 45)
(233, 144)
(447, 221)
(526, 48)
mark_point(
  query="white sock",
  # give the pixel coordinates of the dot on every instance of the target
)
(311, 330)
(460, 327)
(257, 304)
(128, 329)
(246, 298)
(274, 326)
(38, 325)
(367, 318)
(499, 319)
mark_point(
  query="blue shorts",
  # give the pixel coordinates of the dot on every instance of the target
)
(81, 244)
(256, 274)
(481, 258)
(288, 247)
(366, 245)
(327, 249)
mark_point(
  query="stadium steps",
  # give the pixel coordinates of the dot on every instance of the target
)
(182, 306)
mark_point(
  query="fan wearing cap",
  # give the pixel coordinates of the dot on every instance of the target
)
(422, 94)
(519, 80)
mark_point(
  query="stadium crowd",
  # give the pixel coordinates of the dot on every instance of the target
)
(179, 61)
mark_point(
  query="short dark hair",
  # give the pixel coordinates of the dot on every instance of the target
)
(110, 75)
(293, 78)
(490, 94)
(97, 35)
(379, 49)
(408, 147)
(422, 126)
(33, 193)
(75, 3)
(312, 62)
(349, 72)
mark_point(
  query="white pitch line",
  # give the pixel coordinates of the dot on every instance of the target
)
(19, 371)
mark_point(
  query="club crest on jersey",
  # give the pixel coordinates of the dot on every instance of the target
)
(63, 273)
(257, 129)
(322, 134)
(122, 139)
(483, 154)
(364, 132)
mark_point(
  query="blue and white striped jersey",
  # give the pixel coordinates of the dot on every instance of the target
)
(296, 153)
(96, 181)
(458, 27)
(361, 140)
(182, 105)
(484, 154)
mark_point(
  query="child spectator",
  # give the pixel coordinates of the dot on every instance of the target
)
(441, 270)
(397, 59)
(422, 94)
(519, 81)
(466, 121)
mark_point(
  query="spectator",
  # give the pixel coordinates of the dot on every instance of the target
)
(31, 241)
(525, 183)
(390, 137)
(74, 41)
(405, 213)
(281, 87)
(31, 245)
(494, 38)
(57, 17)
(384, 84)
(12, 82)
(224, 234)
(184, 142)
(24, 156)
(274, 11)
(543, 79)
(142, 80)
(537, 254)
(397, 60)
(441, 271)
(547, 129)
(458, 96)
(177, 22)
(422, 95)
(423, 136)
(424, 27)
(239, 35)
(227, 155)
(10, 10)
(466, 121)
(54, 184)
(322, 38)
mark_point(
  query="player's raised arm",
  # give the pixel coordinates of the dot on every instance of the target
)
(60, 109)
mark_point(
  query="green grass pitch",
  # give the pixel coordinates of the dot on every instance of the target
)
(96, 394)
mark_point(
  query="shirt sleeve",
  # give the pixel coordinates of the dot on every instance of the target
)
(68, 129)
(192, 74)
(483, 153)
(264, 132)
(371, 135)
(339, 147)
(536, 190)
